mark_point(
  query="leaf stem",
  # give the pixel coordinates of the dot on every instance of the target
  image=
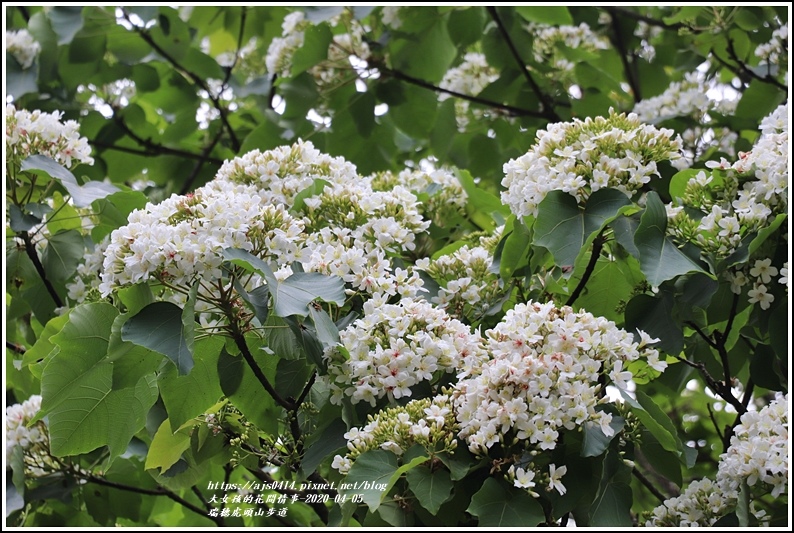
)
(648, 485)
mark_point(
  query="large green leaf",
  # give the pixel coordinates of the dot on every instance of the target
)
(315, 48)
(167, 446)
(497, 504)
(82, 195)
(159, 327)
(19, 81)
(660, 259)
(612, 506)
(85, 412)
(66, 22)
(551, 15)
(655, 316)
(485, 209)
(369, 475)
(293, 295)
(431, 488)
(65, 250)
(595, 442)
(655, 420)
(190, 395)
(565, 229)
(241, 386)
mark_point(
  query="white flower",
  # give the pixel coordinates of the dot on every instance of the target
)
(555, 478)
(23, 47)
(758, 294)
(763, 270)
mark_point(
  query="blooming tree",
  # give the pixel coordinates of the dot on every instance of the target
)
(397, 266)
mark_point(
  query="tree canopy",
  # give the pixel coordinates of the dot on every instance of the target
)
(397, 266)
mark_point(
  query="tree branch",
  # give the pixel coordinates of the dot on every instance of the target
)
(239, 340)
(648, 485)
(742, 69)
(30, 250)
(153, 149)
(161, 491)
(200, 163)
(628, 67)
(16, 348)
(511, 110)
(547, 106)
(646, 19)
(598, 245)
(198, 80)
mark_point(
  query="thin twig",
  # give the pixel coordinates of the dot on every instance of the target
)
(648, 20)
(510, 110)
(153, 149)
(701, 333)
(741, 67)
(30, 250)
(198, 80)
(200, 163)
(246, 353)
(547, 106)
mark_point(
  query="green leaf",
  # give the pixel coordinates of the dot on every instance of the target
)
(684, 14)
(431, 489)
(317, 15)
(331, 440)
(551, 15)
(83, 409)
(44, 345)
(65, 250)
(66, 22)
(19, 221)
(660, 259)
(315, 189)
(759, 100)
(613, 281)
(316, 40)
(368, 476)
(595, 442)
(415, 115)
(167, 447)
(82, 195)
(654, 316)
(497, 504)
(188, 396)
(566, 230)
(414, 57)
(19, 81)
(655, 420)
(485, 209)
(50, 167)
(362, 108)
(612, 506)
(327, 332)
(159, 327)
(743, 505)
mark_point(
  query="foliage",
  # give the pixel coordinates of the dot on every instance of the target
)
(396, 266)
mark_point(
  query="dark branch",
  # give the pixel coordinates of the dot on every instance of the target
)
(628, 66)
(646, 19)
(598, 245)
(200, 163)
(24, 12)
(30, 250)
(153, 150)
(741, 68)
(239, 340)
(16, 348)
(648, 485)
(198, 80)
(161, 491)
(510, 110)
(547, 106)
(702, 334)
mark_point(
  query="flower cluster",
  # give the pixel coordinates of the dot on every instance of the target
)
(737, 199)
(441, 192)
(85, 285)
(281, 173)
(428, 422)
(279, 54)
(468, 288)
(34, 441)
(543, 376)
(23, 47)
(35, 132)
(548, 43)
(470, 77)
(757, 456)
(184, 237)
(690, 98)
(524, 478)
(647, 33)
(581, 157)
(776, 48)
(396, 346)
(337, 67)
